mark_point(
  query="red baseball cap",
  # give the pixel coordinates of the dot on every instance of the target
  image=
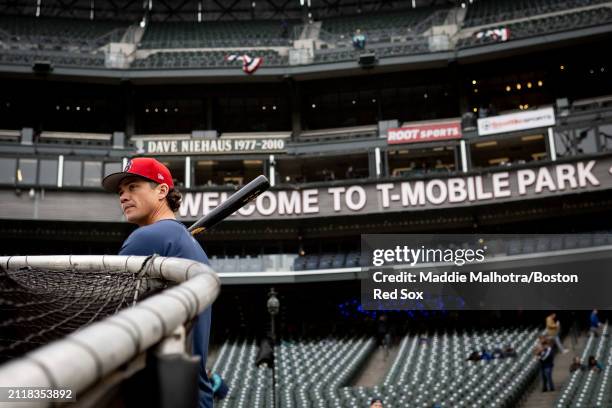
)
(145, 167)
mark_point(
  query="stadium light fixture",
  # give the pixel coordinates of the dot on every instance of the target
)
(518, 86)
(486, 144)
(499, 160)
(531, 138)
(540, 83)
(273, 303)
(475, 90)
(473, 82)
(529, 85)
(508, 88)
(314, 106)
(562, 67)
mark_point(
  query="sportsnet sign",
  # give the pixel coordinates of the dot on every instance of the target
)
(516, 121)
(427, 132)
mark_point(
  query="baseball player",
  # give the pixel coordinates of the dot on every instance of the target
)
(148, 199)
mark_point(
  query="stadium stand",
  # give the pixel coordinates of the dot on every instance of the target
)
(55, 58)
(415, 46)
(249, 385)
(435, 371)
(217, 34)
(208, 59)
(548, 25)
(310, 373)
(487, 12)
(381, 27)
(59, 41)
(59, 33)
(495, 247)
(427, 371)
(589, 388)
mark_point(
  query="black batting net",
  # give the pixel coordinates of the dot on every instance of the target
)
(38, 306)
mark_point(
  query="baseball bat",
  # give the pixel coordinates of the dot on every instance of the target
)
(231, 205)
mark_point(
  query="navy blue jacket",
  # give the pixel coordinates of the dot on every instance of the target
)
(170, 238)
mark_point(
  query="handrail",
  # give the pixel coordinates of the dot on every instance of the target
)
(84, 357)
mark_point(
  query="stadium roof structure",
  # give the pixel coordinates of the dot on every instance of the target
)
(210, 10)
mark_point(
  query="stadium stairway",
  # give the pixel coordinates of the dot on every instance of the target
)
(374, 370)
(538, 399)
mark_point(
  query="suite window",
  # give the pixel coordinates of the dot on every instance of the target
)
(26, 172)
(508, 150)
(177, 169)
(72, 173)
(110, 168)
(92, 172)
(7, 170)
(411, 160)
(47, 172)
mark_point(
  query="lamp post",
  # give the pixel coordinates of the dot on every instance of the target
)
(273, 308)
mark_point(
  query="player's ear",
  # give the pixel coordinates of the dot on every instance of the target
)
(163, 190)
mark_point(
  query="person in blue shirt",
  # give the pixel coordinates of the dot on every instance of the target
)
(359, 40)
(595, 324)
(148, 199)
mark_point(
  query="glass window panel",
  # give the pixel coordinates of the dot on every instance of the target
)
(47, 172)
(26, 173)
(605, 132)
(586, 141)
(110, 168)
(72, 173)
(92, 173)
(7, 170)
